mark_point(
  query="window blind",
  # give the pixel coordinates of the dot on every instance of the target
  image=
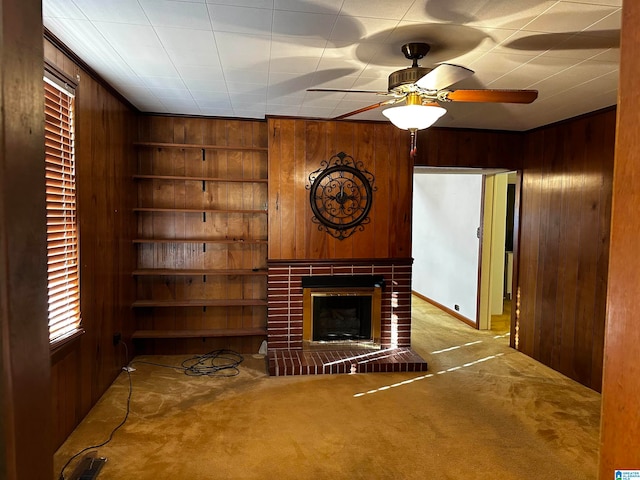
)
(62, 235)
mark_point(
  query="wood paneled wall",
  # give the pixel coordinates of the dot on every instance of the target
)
(25, 418)
(452, 147)
(297, 148)
(564, 245)
(564, 230)
(105, 162)
(620, 426)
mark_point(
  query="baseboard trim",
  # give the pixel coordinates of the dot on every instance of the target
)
(453, 313)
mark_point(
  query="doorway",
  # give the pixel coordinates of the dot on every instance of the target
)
(498, 252)
(465, 228)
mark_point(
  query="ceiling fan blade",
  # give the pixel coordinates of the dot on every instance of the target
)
(494, 96)
(367, 108)
(442, 76)
(345, 91)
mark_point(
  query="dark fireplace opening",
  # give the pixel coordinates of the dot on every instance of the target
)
(341, 317)
(342, 310)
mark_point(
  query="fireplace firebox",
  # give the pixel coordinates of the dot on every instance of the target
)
(342, 310)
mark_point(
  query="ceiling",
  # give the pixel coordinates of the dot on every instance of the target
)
(251, 58)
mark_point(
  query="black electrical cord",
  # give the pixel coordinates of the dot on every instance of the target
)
(217, 363)
(124, 420)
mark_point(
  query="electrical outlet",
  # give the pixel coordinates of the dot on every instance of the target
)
(117, 338)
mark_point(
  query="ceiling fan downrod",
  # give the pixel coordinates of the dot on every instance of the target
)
(415, 51)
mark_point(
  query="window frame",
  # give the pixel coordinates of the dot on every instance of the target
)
(63, 255)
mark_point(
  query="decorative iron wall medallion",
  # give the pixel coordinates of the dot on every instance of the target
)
(341, 192)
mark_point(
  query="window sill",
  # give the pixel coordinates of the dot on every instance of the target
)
(58, 347)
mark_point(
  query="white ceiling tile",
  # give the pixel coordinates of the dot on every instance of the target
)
(367, 27)
(163, 82)
(150, 62)
(171, 93)
(565, 17)
(171, 13)
(210, 96)
(118, 11)
(217, 112)
(316, 112)
(479, 13)
(62, 10)
(316, 25)
(186, 39)
(294, 99)
(250, 89)
(246, 76)
(331, 7)
(243, 51)
(225, 18)
(492, 66)
(198, 73)
(205, 84)
(219, 102)
(195, 57)
(284, 110)
(293, 65)
(179, 106)
(610, 22)
(123, 36)
(612, 3)
(394, 10)
(244, 3)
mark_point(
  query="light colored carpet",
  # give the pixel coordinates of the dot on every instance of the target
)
(483, 411)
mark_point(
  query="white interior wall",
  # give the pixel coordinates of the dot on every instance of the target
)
(446, 216)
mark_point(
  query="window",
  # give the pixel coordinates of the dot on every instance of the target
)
(62, 233)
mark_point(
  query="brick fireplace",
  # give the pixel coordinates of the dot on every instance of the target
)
(288, 354)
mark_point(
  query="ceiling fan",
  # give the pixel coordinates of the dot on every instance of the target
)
(424, 89)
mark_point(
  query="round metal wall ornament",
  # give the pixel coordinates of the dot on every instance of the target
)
(341, 192)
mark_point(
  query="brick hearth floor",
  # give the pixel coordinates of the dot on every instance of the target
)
(304, 362)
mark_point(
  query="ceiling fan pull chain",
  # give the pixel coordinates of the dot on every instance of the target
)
(414, 147)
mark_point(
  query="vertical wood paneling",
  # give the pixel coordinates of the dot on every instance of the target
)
(25, 397)
(105, 163)
(620, 427)
(297, 148)
(564, 233)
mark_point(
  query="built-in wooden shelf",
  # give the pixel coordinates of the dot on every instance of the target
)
(191, 272)
(200, 179)
(223, 332)
(235, 241)
(199, 145)
(160, 189)
(201, 302)
(196, 210)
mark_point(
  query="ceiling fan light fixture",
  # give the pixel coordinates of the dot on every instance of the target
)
(414, 117)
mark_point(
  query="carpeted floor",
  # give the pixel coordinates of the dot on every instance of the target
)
(483, 411)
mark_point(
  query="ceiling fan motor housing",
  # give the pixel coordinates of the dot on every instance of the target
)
(402, 81)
